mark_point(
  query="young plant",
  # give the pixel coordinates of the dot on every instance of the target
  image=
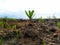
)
(29, 14)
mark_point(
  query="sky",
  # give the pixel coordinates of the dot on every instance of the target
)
(16, 8)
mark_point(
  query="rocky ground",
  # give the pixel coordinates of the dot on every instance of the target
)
(34, 33)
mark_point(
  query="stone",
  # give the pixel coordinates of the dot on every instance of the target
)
(52, 30)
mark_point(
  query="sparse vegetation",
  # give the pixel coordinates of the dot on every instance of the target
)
(8, 27)
(14, 27)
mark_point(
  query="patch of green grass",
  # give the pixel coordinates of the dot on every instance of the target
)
(1, 40)
(14, 26)
(44, 43)
(1, 23)
(58, 24)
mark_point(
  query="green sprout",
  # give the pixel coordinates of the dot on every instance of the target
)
(58, 24)
(29, 14)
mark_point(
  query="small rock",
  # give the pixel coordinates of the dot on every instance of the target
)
(52, 30)
(55, 35)
(51, 43)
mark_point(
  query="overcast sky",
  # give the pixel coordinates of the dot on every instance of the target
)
(16, 8)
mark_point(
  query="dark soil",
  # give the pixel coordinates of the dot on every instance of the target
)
(34, 33)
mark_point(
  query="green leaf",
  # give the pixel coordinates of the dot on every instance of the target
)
(29, 13)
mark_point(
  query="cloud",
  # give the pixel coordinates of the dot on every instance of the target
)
(40, 6)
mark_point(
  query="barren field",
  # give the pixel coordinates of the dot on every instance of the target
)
(24, 32)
